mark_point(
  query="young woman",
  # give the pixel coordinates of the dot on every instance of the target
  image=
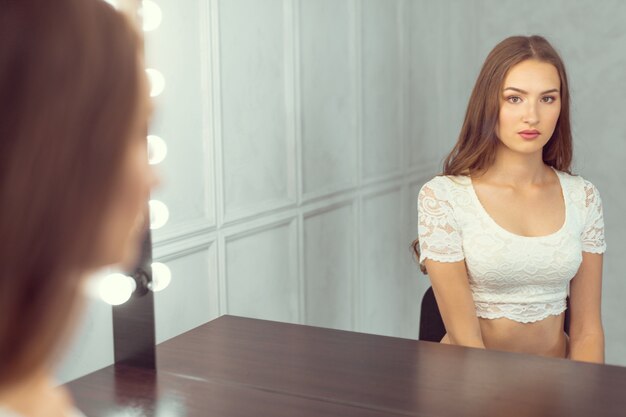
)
(507, 231)
(74, 179)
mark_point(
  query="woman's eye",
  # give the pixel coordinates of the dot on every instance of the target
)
(514, 99)
(549, 99)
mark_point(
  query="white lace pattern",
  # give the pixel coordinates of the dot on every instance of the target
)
(518, 277)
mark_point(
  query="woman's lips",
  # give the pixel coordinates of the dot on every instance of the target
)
(529, 136)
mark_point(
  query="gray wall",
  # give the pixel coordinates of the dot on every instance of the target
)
(299, 133)
(294, 161)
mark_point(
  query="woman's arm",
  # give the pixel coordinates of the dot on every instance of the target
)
(454, 299)
(586, 331)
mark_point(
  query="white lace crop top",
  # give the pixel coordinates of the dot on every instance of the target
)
(518, 277)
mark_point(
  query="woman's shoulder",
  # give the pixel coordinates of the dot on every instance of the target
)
(582, 192)
(448, 188)
(446, 182)
(572, 177)
(577, 185)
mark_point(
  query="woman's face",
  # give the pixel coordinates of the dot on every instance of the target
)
(530, 100)
(125, 223)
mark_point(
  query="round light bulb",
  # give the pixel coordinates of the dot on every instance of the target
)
(151, 15)
(159, 214)
(157, 82)
(157, 149)
(161, 277)
(116, 288)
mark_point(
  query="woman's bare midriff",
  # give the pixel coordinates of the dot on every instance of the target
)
(545, 337)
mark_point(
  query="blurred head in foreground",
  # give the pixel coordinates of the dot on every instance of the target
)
(74, 173)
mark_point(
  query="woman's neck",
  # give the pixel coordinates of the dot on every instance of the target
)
(517, 170)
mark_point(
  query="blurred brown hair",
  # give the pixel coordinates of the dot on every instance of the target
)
(475, 149)
(69, 85)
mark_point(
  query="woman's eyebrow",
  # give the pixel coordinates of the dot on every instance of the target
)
(519, 90)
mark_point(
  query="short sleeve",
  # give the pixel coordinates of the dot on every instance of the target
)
(593, 230)
(438, 232)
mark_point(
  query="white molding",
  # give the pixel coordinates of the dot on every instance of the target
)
(256, 210)
(297, 99)
(403, 76)
(357, 86)
(291, 109)
(218, 138)
(302, 287)
(316, 211)
(381, 191)
(328, 192)
(181, 231)
(221, 276)
(381, 188)
(208, 138)
(182, 248)
(292, 62)
(356, 281)
(257, 226)
(213, 268)
(321, 205)
(355, 48)
(218, 153)
(408, 105)
(443, 71)
(389, 176)
(295, 267)
(351, 195)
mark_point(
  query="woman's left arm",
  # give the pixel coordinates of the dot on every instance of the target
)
(586, 331)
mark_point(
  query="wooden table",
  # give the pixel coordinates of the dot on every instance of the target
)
(236, 366)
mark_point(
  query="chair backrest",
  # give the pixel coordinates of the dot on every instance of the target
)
(432, 328)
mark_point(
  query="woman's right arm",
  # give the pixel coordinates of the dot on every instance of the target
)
(441, 252)
(456, 305)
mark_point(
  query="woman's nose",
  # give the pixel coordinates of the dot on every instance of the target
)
(531, 116)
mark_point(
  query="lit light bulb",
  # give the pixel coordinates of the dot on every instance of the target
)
(157, 149)
(159, 214)
(116, 288)
(151, 15)
(157, 82)
(161, 277)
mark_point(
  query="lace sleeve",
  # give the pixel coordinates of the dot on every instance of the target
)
(438, 232)
(593, 231)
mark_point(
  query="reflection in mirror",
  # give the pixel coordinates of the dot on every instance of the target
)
(299, 134)
(300, 153)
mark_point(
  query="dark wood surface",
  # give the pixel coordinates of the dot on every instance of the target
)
(243, 367)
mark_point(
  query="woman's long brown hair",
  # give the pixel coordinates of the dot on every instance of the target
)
(475, 149)
(69, 87)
